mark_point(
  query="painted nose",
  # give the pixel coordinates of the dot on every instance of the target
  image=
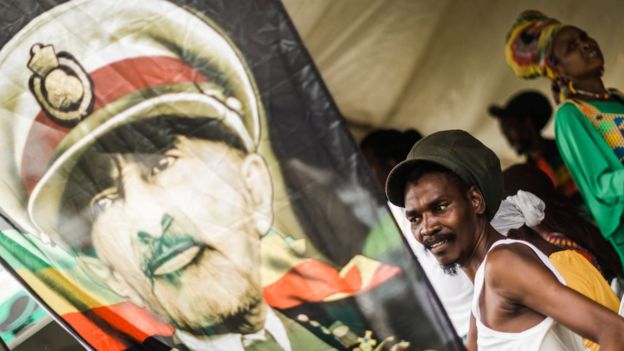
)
(148, 238)
(146, 205)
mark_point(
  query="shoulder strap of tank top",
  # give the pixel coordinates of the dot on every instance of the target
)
(479, 280)
(537, 251)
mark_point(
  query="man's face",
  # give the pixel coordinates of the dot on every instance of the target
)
(181, 230)
(442, 218)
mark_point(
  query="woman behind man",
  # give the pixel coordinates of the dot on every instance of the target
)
(535, 212)
(588, 122)
(562, 225)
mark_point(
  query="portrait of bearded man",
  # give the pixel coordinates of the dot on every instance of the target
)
(150, 172)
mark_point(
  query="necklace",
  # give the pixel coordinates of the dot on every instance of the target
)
(598, 96)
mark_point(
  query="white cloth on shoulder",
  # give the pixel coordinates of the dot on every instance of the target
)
(524, 208)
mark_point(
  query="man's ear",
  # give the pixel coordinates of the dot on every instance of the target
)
(106, 277)
(259, 185)
(476, 200)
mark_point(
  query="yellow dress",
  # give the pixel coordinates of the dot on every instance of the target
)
(583, 277)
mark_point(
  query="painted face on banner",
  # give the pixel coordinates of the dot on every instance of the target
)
(180, 229)
(169, 219)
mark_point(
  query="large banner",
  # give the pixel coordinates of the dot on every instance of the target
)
(176, 175)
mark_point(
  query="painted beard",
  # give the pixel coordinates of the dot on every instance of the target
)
(196, 287)
(206, 294)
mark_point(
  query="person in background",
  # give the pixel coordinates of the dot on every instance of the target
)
(589, 119)
(521, 121)
(522, 216)
(451, 185)
(562, 225)
(384, 149)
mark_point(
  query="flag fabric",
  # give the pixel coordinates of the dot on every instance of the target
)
(175, 174)
(88, 309)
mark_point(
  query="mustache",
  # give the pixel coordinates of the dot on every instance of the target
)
(162, 249)
(432, 240)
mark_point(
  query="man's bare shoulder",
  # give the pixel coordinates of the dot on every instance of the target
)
(511, 266)
(502, 254)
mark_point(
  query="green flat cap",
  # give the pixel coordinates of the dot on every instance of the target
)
(459, 152)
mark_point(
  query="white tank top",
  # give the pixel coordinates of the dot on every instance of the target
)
(547, 335)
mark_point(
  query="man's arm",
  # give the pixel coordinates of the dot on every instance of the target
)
(534, 286)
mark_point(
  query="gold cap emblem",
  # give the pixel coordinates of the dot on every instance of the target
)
(60, 85)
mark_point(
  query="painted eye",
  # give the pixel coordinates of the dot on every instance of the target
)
(102, 202)
(162, 164)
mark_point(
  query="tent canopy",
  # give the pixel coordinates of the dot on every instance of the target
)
(436, 64)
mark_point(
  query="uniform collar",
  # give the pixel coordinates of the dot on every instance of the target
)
(236, 342)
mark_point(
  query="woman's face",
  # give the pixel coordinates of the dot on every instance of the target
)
(576, 55)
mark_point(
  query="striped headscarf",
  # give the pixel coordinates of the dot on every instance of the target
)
(528, 43)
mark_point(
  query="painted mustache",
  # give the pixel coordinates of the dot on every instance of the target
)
(173, 258)
(168, 252)
(430, 241)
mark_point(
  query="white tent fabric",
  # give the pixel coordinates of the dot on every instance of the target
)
(436, 64)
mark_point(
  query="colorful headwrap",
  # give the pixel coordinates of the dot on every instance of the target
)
(528, 43)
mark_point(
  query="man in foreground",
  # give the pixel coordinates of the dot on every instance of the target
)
(384, 149)
(451, 186)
